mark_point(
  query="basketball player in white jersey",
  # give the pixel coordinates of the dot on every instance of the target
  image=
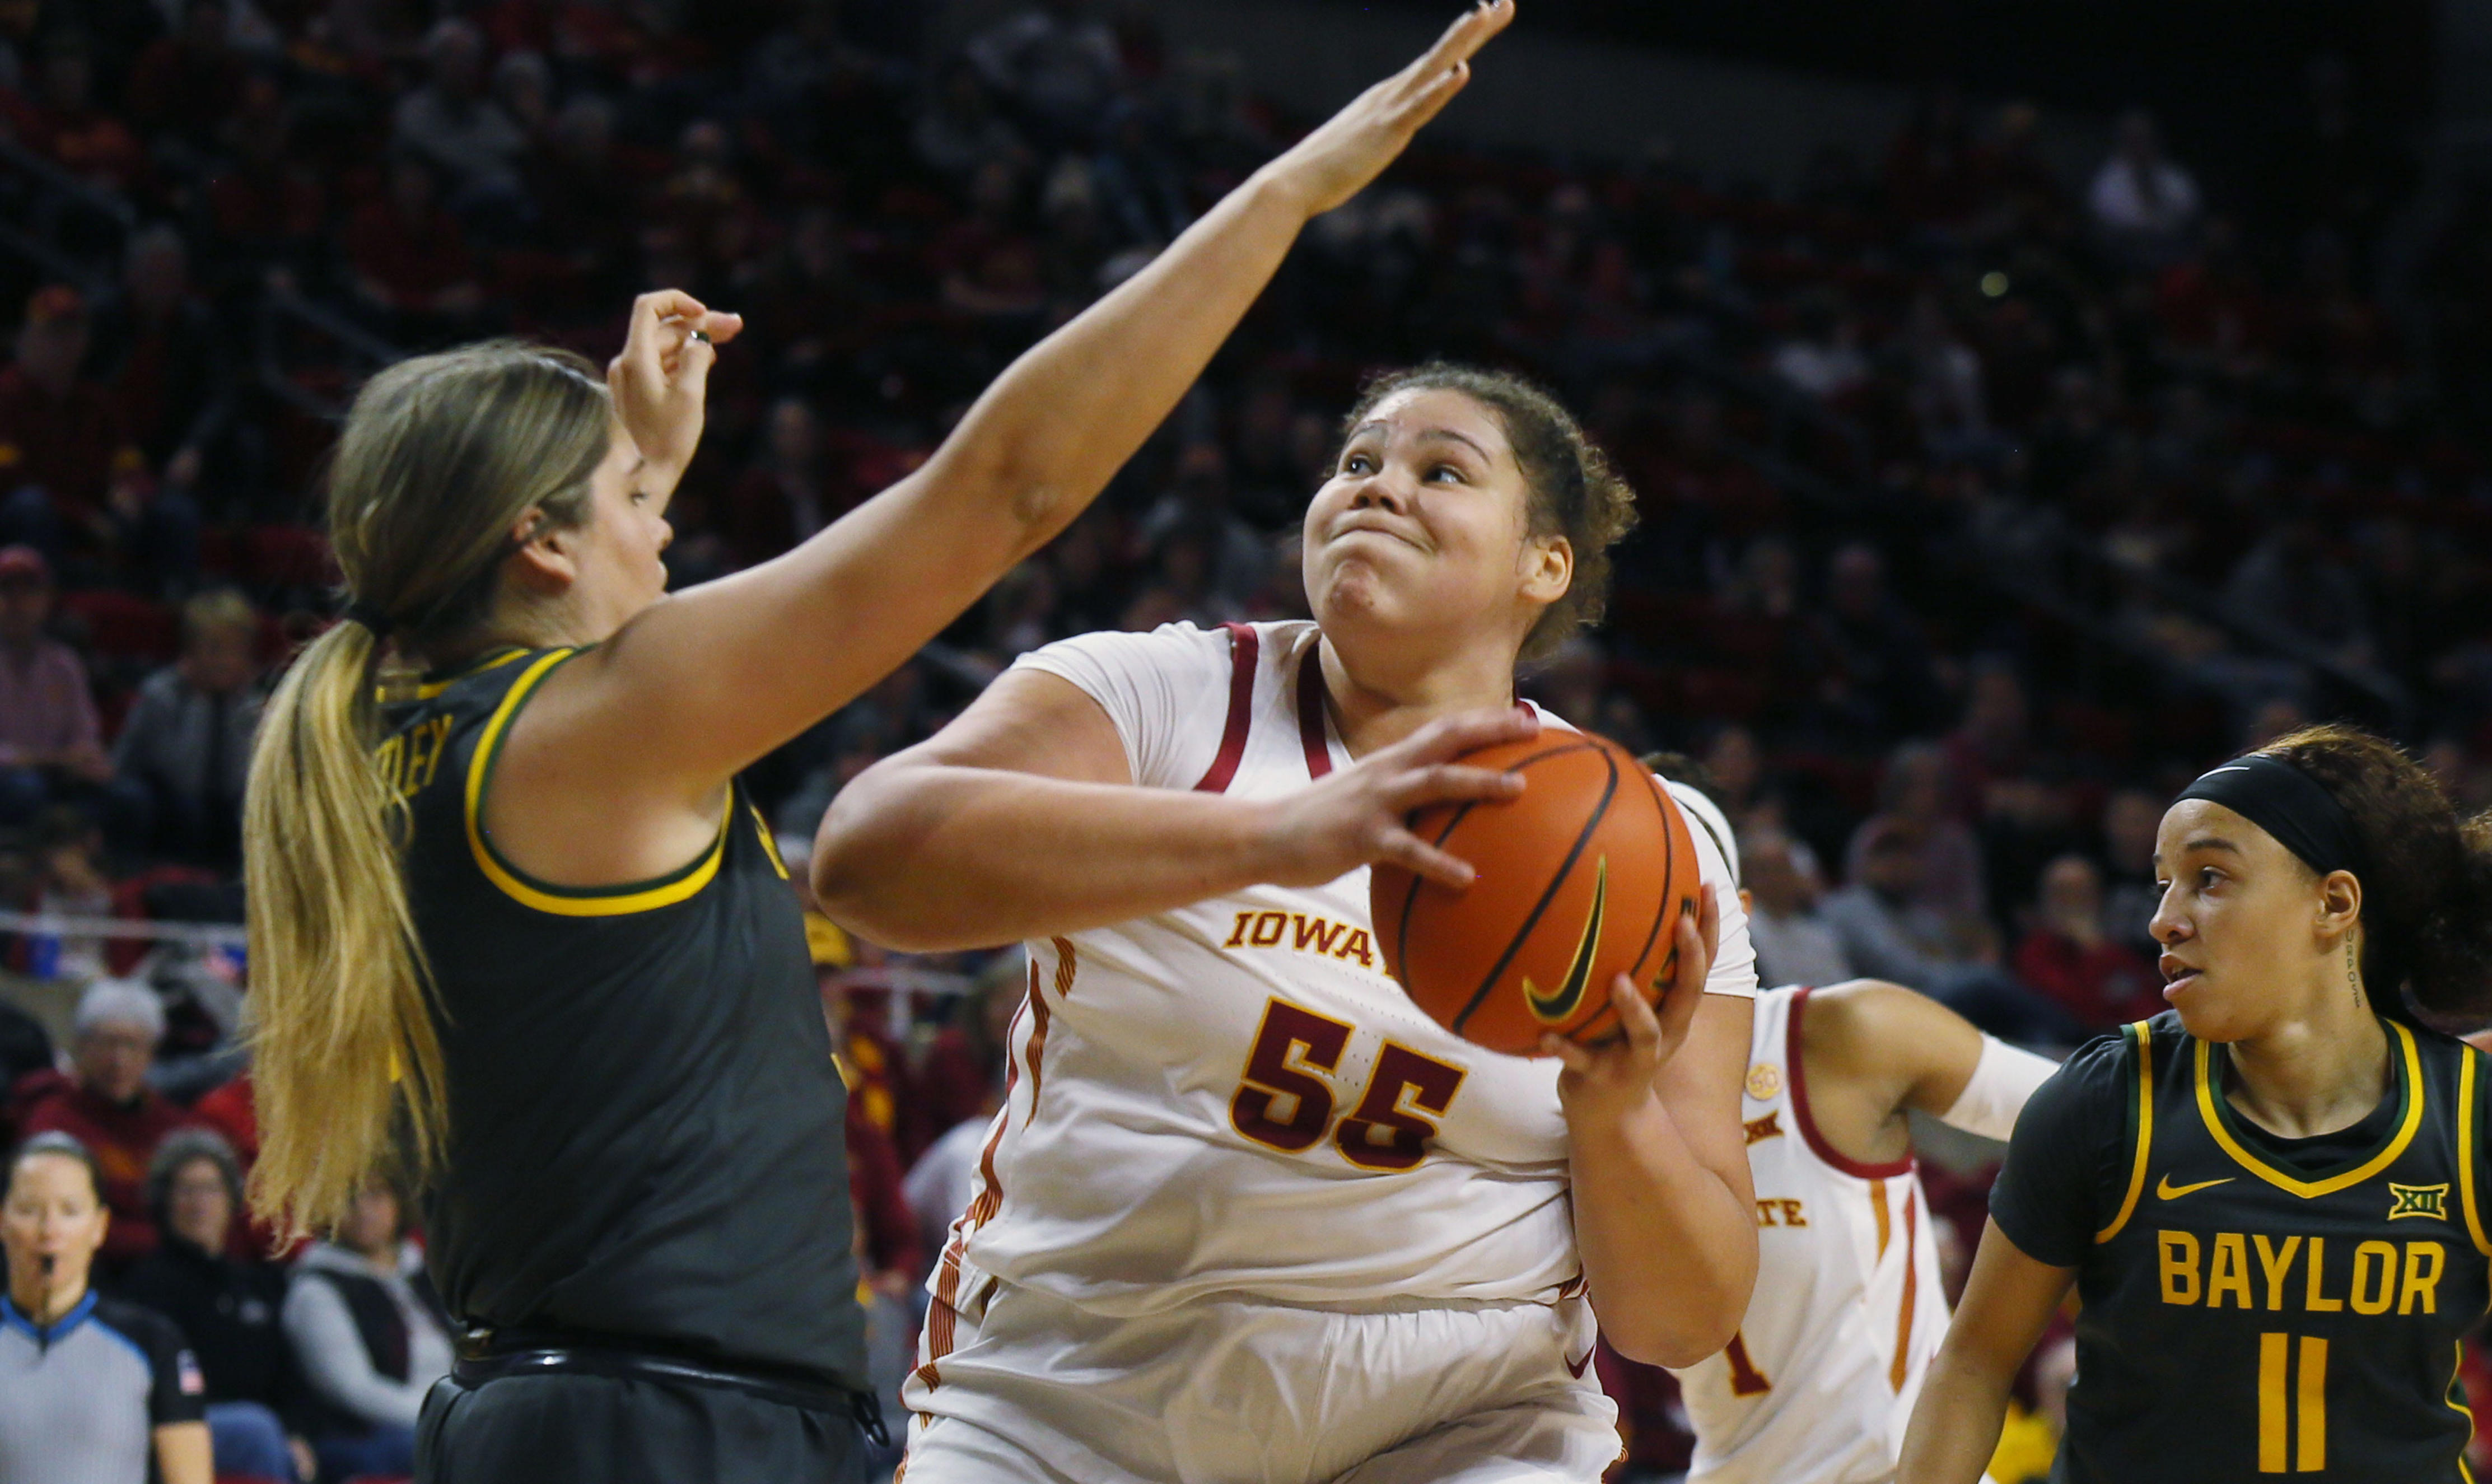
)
(1818, 1386)
(1249, 1214)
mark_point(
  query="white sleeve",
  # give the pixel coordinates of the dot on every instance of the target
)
(1165, 690)
(2002, 1081)
(1735, 957)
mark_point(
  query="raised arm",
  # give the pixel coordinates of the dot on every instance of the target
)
(2007, 1302)
(1022, 819)
(701, 684)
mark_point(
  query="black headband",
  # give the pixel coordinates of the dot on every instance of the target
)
(2288, 804)
(371, 617)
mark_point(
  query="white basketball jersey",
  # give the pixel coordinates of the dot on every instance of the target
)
(1233, 1099)
(1818, 1386)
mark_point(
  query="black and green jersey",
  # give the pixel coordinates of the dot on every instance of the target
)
(2255, 1305)
(645, 1123)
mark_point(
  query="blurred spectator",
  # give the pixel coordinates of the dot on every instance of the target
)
(1057, 65)
(90, 1388)
(1822, 357)
(410, 257)
(160, 351)
(2289, 579)
(2144, 204)
(1794, 943)
(370, 1335)
(50, 742)
(1870, 662)
(959, 130)
(2130, 818)
(227, 1302)
(188, 82)
(962, 1078)
(1197, 504)
(1885, 935)
(108, 1105)
(61, 434)
(185, 748)
(62, 119)
(887, 1233)
(2067, 954)
(944, 1181)
(70, 882)
(786, 495)
(1915, 798)
(453, 123)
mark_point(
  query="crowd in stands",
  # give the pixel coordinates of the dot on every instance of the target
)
(1979, 505)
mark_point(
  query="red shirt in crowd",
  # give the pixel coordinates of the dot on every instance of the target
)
(123, 1140)
(2103, 986)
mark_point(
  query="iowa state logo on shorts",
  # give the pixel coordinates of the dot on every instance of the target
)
(2430, 1200)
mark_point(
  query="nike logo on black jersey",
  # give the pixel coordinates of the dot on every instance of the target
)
(2165, 1190)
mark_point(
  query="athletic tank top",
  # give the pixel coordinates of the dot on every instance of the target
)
(645, 1123)
(1819, 1384)
(2248, 1312)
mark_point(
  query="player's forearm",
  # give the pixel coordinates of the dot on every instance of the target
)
(1065, 416)
(1669, 1247)
(1955, 1423)
(935, 857)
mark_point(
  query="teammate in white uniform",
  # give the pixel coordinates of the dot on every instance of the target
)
(1248, 1213)
(1819, 1385)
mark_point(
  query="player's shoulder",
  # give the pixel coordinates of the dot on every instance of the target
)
(2098, 1086)
(1173, 649)
(151, 1333)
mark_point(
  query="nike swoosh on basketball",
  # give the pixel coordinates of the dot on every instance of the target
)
(1560, 1003)
(1575, 1368)
(2165, 1190)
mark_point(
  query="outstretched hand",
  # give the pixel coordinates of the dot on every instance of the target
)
(1616, 1078)
(660, 381)
(1353, 146)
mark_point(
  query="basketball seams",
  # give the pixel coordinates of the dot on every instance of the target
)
(1399, 955)
(1549, 894)
(1665, 808)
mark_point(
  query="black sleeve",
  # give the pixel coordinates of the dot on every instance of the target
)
(2067, 1162)
(176, 1391)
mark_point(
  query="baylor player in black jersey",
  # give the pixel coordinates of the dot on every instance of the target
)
(2271, 1198)
(523, 932)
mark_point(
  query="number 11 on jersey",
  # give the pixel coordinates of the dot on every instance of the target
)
(2299, 1400)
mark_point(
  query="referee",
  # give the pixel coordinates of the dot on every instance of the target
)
(517, 928)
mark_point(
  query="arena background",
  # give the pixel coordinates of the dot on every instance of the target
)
(2027, 406)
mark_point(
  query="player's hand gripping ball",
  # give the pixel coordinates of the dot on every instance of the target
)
(1581, 879)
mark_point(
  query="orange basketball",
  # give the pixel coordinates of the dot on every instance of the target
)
(1580, 879)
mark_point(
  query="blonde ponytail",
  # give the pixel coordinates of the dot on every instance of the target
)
(341, 1036)
(440, 459)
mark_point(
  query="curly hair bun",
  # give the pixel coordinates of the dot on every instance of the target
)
(2428, 893)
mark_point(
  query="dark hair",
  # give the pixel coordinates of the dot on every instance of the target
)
(1573, 490)
(187, 1146)
(61, 1146)
(2427, 870)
